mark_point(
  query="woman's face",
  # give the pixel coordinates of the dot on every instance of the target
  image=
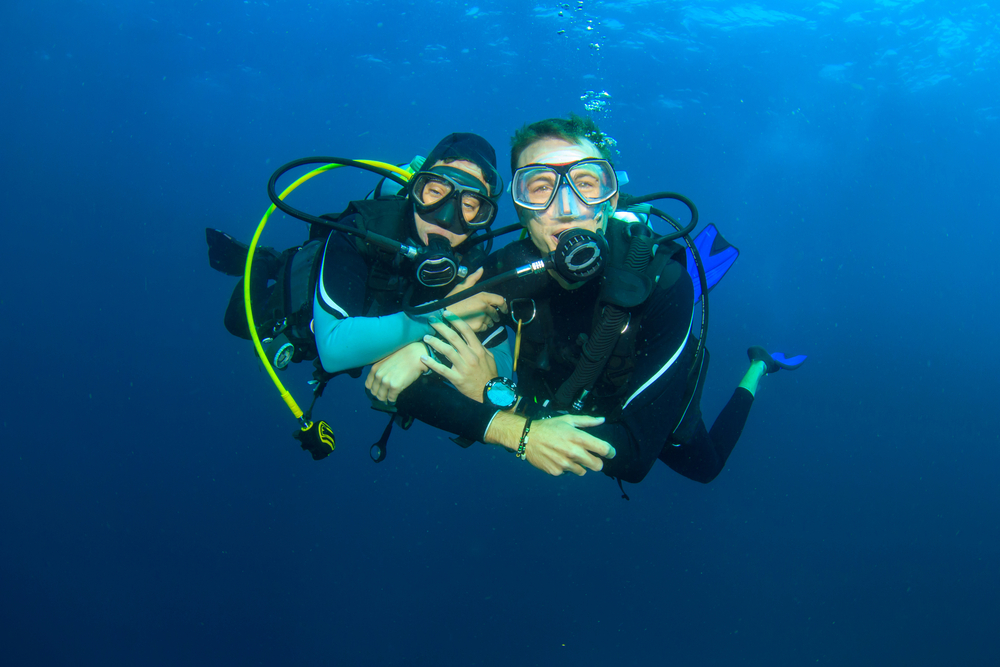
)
(425, 227)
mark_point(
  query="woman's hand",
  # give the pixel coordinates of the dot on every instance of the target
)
(480, 311)
(396, 372)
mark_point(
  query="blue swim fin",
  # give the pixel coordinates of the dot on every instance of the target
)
(717, 255)
(776, 361)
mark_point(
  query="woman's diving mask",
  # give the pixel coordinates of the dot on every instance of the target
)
(453, 199)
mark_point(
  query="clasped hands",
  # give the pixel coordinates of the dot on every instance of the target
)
(472, 365)
(556, 446)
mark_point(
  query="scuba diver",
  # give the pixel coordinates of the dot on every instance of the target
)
(337, 299)
(609, 357)
(453, 197)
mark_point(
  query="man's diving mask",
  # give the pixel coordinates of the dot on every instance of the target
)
(535, 186)
(452, 199)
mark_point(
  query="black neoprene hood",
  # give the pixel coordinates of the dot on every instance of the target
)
(471, 147)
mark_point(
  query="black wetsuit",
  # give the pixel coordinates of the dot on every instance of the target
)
(645, 391)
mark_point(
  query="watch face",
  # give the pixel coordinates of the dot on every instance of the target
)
(501, 395)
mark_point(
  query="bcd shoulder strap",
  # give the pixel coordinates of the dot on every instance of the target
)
(621, 290)
(635, 283)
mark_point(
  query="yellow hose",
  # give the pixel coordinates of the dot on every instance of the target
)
(287, 397)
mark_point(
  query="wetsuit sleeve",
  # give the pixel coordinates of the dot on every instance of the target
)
(496, 341)
(344, 338)
(440, 405)
(664, 347)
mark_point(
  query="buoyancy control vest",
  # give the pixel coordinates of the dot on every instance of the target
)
(548, 357)
(284, 283)
(387, 281)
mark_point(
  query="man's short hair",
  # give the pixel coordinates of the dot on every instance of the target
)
(572, 129)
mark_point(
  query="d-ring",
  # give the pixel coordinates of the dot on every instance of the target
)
(513, 306)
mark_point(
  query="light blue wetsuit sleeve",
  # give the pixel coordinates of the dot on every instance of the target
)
(502, 355)
(345, 339)
(353, 342)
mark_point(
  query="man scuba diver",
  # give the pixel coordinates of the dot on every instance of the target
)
(337, 299)
(609, 360)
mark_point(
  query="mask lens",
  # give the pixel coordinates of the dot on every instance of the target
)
(595, 182)
(429, 189)
(477, 210)
(534, 186)
(592, 179)
(538, 186)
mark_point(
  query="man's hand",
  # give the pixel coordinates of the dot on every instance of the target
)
(472, 365)
(556, 445)
(480, 311)
(396, 372)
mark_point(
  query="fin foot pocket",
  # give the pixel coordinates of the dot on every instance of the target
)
(225, 253)
(776, 361)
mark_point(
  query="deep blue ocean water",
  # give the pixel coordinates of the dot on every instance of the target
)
(155, 510)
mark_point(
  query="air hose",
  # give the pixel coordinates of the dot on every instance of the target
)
(316, 437)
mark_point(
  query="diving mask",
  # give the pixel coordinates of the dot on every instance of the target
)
(535, 186)
(453, 199)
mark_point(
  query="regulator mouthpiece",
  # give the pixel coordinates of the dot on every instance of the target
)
(580, 254)
(436, 264)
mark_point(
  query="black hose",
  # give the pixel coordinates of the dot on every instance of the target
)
(464, 294)
(681, 231)
(306, 217)
(626, 201)
(390, 244)
(490, 235)
(685, 233)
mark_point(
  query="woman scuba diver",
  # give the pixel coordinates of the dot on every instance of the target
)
(338, 298)
(452, 197)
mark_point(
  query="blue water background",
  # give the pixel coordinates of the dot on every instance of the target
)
(156, 511)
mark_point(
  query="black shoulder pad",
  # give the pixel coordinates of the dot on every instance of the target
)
(624, 287)
(510, 257)
(668, 264)
(381, 216)
(620, 285)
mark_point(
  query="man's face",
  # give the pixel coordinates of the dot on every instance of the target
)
(425, 227)
(567, 210)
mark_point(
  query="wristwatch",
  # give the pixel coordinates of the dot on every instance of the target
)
(501, 393)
